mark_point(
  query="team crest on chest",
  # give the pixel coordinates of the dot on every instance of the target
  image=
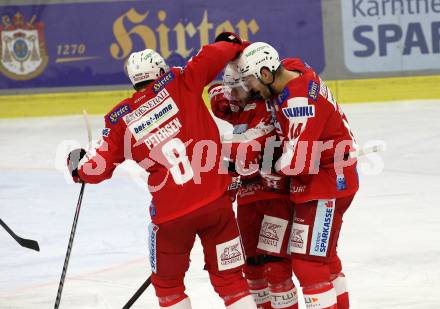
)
(23, 52)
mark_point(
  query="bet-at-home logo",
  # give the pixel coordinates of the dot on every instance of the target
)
(23, 53)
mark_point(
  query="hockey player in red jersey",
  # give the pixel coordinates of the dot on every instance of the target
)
(264, 213)
(166, 128)
(319, 155)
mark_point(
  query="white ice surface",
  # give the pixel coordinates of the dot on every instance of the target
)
(389, 244)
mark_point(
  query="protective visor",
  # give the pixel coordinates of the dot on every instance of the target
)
(250, 82)
(241, 89)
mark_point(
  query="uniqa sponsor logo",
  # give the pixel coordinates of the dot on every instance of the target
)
(299, 111)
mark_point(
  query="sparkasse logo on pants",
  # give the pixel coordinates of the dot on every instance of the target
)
(322, 227)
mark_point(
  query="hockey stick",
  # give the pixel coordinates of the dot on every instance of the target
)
(138, 293)
(367, 150)
(75, 222)
(89, 128)
(69, 248)
(362, 152)
(27, 243)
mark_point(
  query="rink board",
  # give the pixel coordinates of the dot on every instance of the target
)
(100, 102)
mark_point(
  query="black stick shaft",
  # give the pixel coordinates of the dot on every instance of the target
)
(27, 243)
(138, 293)
(69, 248)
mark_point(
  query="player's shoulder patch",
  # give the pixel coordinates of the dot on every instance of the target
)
(313, 90)
(164, 80)
(117, 112)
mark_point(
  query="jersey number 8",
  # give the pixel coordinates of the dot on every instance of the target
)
(175, 152)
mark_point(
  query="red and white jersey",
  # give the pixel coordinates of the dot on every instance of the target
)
(317, 139)
(252, 123)
(168, 130)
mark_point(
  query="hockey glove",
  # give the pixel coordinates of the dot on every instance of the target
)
(73, 160)
(219, 104)
(274, 182)
(232, 38)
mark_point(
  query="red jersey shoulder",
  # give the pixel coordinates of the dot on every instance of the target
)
(293, 64)
(120, 110)
(306, 85)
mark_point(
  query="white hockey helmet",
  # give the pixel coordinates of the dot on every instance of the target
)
(257, 56)
(145, 65)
